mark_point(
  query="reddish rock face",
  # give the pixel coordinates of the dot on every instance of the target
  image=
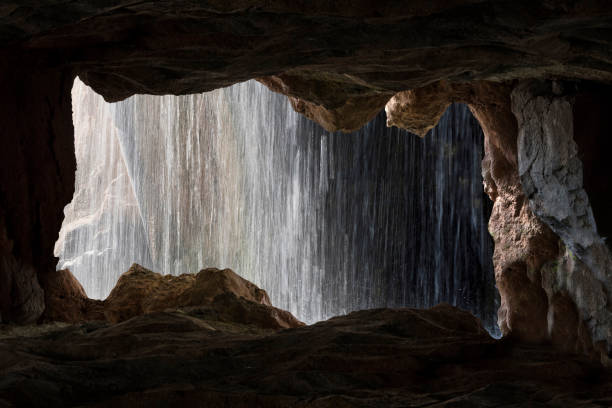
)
(221, 295)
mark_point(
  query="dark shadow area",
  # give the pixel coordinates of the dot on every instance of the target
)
(593, 135)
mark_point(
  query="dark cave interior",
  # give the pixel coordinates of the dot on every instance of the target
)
(535, 75)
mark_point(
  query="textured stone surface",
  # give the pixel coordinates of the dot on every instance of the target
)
(551, 175)
(326, 53)
(549, 166)
(418, 110)
(221, 294)
(568, 328)
(439, 357)
(66, 301)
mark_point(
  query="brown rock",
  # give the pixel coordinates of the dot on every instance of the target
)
(547, 294)
(21, 297)
(139, 291)
(66, 301)
(332, 58)
(181, 47)
(212, 282)
(551, 173)
(346, 114)
(523, 244)
(220, 295)
(419, 110)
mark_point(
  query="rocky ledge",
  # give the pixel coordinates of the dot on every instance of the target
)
(441, 357)
(220, 294)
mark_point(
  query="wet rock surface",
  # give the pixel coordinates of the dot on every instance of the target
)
(383, 357)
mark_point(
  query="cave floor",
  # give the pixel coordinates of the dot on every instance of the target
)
(439, 357)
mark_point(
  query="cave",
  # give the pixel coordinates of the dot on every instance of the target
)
(329, 115)
(326, 222)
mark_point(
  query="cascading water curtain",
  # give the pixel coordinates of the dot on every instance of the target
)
(326, 222)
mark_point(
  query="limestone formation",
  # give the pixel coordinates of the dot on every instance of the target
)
(345, 115)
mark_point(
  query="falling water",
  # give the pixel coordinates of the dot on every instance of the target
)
(326, 222)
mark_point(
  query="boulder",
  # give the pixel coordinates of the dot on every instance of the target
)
(66, 301)
(219, 294)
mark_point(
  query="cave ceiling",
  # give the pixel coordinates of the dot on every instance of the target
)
(330, 54)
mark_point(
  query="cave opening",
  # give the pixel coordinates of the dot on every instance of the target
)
(326, 223)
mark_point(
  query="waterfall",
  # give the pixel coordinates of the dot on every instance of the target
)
(325, 222)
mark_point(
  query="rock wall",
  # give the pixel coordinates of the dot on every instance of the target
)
(66, 300)
(36, 181)
(551, 173)
(552, 268)
(522, 243)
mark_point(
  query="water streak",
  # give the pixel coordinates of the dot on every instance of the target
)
(325, 222)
